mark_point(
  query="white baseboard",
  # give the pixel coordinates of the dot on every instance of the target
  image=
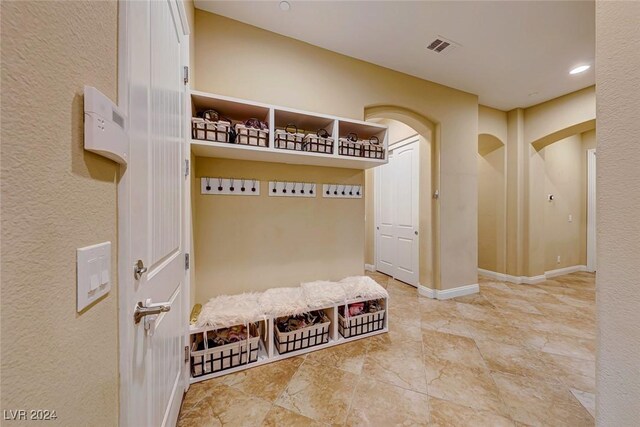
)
(565, 270)
(531, 280)
(494, 275)
(448, 293)
(369, 267)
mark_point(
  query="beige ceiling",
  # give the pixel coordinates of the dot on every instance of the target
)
(512, 53)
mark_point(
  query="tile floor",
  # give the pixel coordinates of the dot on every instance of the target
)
(512, 355)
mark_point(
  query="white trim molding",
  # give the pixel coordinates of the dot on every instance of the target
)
(369, 267)
(526, 280)
(565, 270)
(460, 291)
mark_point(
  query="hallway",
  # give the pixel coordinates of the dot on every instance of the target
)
(511, 355)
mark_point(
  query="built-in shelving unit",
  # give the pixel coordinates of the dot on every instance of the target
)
(279, 117)
(268, 352)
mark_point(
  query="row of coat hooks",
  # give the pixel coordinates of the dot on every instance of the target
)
(251, 187)
(230, 186)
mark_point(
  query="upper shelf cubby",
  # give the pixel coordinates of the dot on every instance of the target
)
(303, 121)
(270, 145)
(228, 108)
(364, 131)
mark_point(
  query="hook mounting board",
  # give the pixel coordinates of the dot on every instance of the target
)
(292, 189)
(230, 186)
(342, 191)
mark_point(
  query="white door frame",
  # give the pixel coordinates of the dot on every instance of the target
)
(125, 270)
(413, 139)
(591, 210)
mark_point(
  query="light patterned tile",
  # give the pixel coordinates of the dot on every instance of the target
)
(280, 417)
(319, 392)
(449, 414)
(377, 403)
(266, 381)
(536, 402)
(225, 406)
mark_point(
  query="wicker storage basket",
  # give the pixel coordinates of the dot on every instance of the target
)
(210, 131)
(319, 143)
(252, 136)
(372, 149)
(220, 358)
(289, 138)
(361, 324)
(302, 338)
(350, 146)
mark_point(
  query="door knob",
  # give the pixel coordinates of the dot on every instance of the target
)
(148, 309)
(377, 228)
(415, 232)
(139, 269)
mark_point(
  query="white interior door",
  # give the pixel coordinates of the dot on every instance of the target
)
(396, 202)
(591, 210)
(152, 380)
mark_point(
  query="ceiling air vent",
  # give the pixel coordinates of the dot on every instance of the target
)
(442, 45)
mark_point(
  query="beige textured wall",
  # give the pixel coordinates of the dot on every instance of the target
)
(318, 80)
(528, 132)
(493, 127)
(492, 210)
(56, 197)
(566, 180)
(618, 205)
(255, 243)
(492, 122)
(560, 118)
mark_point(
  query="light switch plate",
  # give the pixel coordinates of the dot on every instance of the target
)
(94, 273)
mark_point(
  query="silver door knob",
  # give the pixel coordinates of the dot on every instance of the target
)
(139, 269)
(143, 310)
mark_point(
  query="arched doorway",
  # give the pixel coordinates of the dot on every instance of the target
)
(407, 124)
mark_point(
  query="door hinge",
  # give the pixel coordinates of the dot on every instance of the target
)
(186, 354)
(186, 74)
(186, 261)
(186, 168)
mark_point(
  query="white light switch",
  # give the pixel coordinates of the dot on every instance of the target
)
(94, 271)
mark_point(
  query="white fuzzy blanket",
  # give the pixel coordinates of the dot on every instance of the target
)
(323, 293)
(283, 301)
(363, 287)
(229, 310)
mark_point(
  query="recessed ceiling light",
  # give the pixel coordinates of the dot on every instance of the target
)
(580, 69)
(285, 5)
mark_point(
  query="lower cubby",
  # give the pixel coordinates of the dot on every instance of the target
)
(217, 350)
(369, 316)
(268, 344)
(287, 340)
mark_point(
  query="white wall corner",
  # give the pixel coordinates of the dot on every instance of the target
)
(448, 293)
(426, 292)
(369, 267)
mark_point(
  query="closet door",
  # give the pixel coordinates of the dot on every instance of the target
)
(385, 212)
(397, 214)
(152, 379)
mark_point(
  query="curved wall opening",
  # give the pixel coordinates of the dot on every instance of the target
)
(492, 204)
(402, 119)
